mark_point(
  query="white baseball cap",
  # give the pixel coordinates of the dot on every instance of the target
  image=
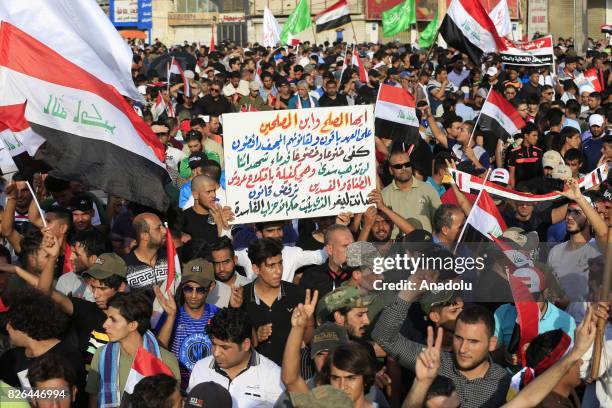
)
(492, 71)
(596, 120)
(501, 176)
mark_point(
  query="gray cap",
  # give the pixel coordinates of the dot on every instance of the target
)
(359, 254)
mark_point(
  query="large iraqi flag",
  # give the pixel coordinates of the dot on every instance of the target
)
(468, 28)
(73, 85)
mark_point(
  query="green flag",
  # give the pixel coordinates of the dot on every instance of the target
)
(399, 18)
(297, 22)
(428, 35)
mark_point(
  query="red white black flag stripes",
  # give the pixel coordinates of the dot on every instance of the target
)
(175, 69)
(334, 16)
(356, 62)
(92, 134)
(500, 117)
(468, 28)
(396, 105)
(145, 364)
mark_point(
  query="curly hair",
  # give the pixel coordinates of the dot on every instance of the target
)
(233, 325)
(51, 366)
(352, 358)
(154, 392)
(37, 315)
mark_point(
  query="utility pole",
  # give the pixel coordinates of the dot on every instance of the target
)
(581, 27)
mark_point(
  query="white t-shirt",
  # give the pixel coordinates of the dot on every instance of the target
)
(599, 393)
(571, 268)
(293, 259)
(71, 283)
(258, 386)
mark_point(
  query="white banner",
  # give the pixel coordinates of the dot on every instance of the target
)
(531, 53)
(299, 163)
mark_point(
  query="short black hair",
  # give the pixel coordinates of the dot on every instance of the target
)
(555, 116)
(62, 214)
(450, 119)
(154, 392)
(114, 281)
(56, 185)
(211, 169)
(197, 122)
(21, 176)
(260, 226)
(441, 387)
(37, 315)
(542, 346)
(134, 307)
(353, 358)
(51, 366)
(443, 217)
(478, 314)
(262, 249)
(92, 241)
(573, 154)
(230, 324)
(194, 135)
(30, 244)
(221, 244)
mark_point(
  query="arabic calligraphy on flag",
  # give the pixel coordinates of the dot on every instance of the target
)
(299, 163)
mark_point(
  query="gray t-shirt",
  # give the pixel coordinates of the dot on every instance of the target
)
(571, 268)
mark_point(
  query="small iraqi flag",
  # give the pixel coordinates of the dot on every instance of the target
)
(334, 16)
(356, 62)
(145, 365)
(396, 105)
(500, 117)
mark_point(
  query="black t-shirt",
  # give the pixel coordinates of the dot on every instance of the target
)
(141, 276)
(87, 320)
(540, 220)
(308, 243)
(527, 162)
(198, 227)
(366, 95)
(326, 101)
(279, 314)
(208, 106)
(14, 366)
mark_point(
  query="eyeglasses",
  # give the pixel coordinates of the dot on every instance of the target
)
(400, 166)
(200, 290)
(215, 90)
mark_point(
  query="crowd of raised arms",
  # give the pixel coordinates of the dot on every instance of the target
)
(290, 313)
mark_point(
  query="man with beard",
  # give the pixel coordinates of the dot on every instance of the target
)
(293, 257)
(228, 280)
(346, 306)
(81, 207)
(183, 330)
(367, 94)
(85, 247)
(329, 275)
(331, 96)
(204, 220)
(377, 227)
(406, 195)
(269, 301)
(469, 365)
(593, 144)
(23, 198)
(569, 259)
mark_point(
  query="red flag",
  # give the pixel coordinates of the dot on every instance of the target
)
(145, 365)
(67, 267)
(174, 266)
(3, 307)
(212, 39)
(591, 75)
(356, 61)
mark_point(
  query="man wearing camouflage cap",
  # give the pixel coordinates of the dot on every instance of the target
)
(348, 307)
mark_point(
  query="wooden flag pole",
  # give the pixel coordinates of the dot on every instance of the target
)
(605, 294)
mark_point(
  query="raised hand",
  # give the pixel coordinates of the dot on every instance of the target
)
(573, 190)
(375, 197)
(236, 297)
(584, 335)
(344, 218)
(264, 332)
(369, 215)
(167, 303)
(428, 360)
(50, 243)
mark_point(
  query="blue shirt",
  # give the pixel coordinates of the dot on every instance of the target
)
(554, 318)
(190, 342)
(591, 148)
(184, 194)
(439, 189)
(305, 102)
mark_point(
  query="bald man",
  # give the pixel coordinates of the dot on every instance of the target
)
(147, 264)
(204, 220)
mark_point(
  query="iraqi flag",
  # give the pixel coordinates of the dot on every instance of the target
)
(334, 16)
(396, 105)
(92, 134)
(19, 142)
(606, 29)
(468, 28)
(145, 365)
(500, 117)
(485, 217)
(500, 15)
(358, 64)
(175, 69)
(174, 265)
(591, 76)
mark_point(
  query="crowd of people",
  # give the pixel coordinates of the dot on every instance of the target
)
(287, 313)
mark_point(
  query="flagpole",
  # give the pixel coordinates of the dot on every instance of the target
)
(354, 35)
(40, 211)
(344, 63)
(479, 113)
(486, 177)
(429, 52)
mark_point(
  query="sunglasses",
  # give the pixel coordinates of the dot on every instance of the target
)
(200, 290)
(400, 166)
(215, 90)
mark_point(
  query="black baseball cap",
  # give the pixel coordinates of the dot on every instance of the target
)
(196, 159)
(81, 202)
(207, 395)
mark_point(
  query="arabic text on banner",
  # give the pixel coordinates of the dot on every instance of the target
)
(531, 53)
(299, 163)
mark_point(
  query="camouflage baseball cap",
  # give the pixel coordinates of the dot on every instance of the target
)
(107, 265)
(200, 267)
(325, 396)
(327, 337)
(435, 298)
(360, 254)
(346, 296)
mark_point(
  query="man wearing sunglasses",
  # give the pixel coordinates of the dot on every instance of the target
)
(406, 195)
(184, 329)
(215, 103)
